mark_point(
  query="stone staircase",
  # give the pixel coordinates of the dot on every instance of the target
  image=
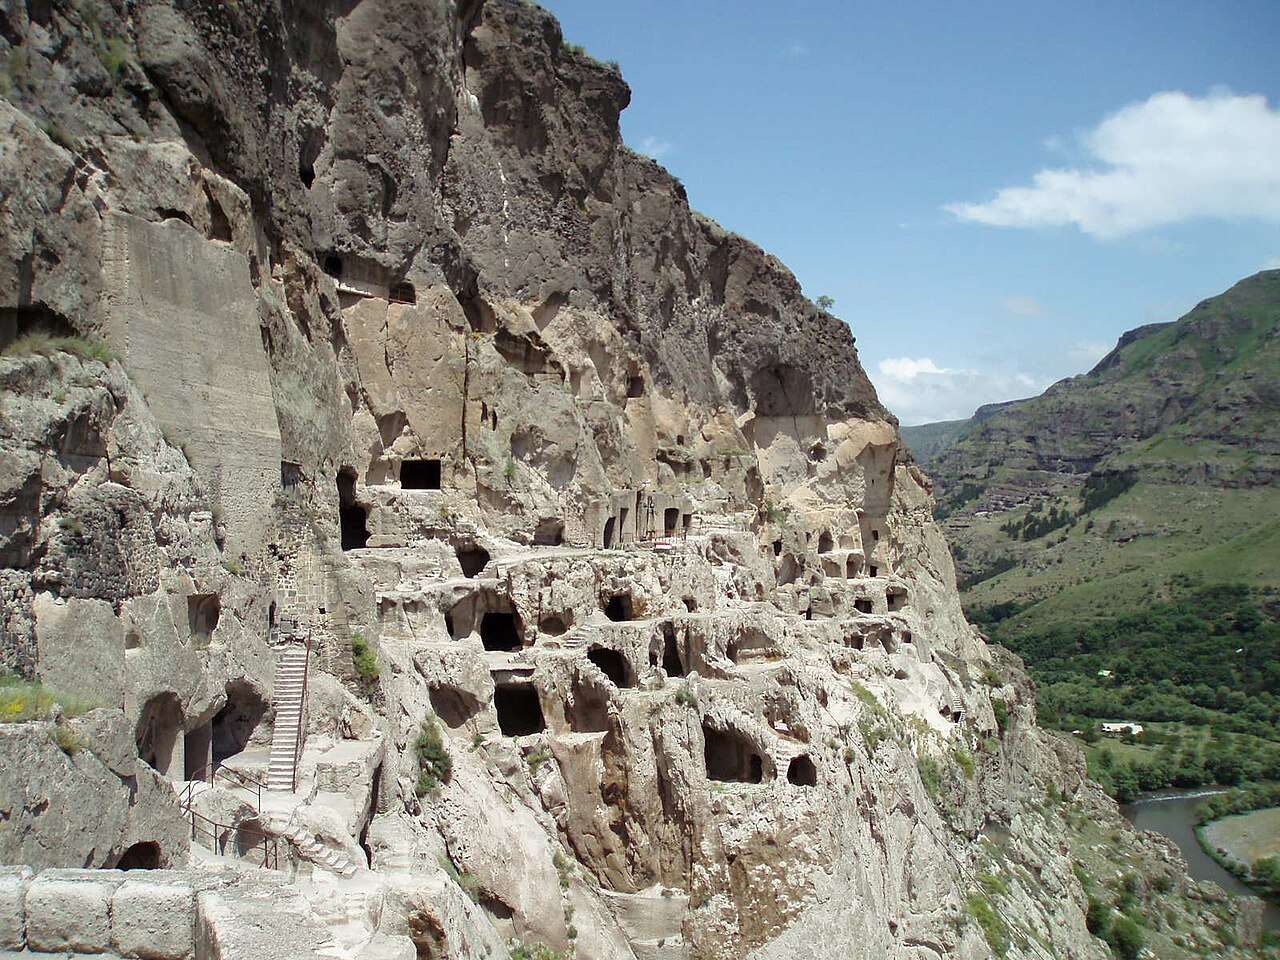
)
(289, 697)
(310, 848)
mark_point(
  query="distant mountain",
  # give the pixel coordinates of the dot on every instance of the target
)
(1161, 462)
(928, 440)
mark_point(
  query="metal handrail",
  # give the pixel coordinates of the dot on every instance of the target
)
(270, 845)
(210, 772)
(302, 709)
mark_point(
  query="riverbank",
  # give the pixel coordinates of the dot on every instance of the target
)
(1237, 843)
(1174, 813)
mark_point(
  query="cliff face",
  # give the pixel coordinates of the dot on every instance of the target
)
(424, 391)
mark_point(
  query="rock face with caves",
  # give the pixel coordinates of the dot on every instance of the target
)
(438, 511)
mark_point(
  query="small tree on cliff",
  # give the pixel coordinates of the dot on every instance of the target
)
(825, 303)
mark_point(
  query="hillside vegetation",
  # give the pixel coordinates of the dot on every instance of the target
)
(1129, 520)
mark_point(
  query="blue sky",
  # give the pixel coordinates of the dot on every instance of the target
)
(868, 147)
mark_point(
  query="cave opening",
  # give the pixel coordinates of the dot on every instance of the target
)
(802, 772)
(672, 662)
(353, 518)
(730, 757)
(619, 608)
(549, 533)
(500, 631)
(613, 664)
(333, 265)
(420, 474)
(203, 612)
(896, 598)
(156, 735)
(233, 726)
(519, 710)
(472, 558)
(403, 292)
(862, 606)
(140, 856)
(452, 705)
(635, 387)
(553, 625)
(670, 521)
(825, 543)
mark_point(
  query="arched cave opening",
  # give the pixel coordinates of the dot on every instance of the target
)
(555, 624)
(635, 387)
(353, 518)
(825, 543)
(862, 605)
(802, 772)
(234, 724)
(619, 608)
(203, 613)
(782, 390)
(607, 538)
(670, 521)
(250, 835)
(519, 710)
(613, 664)
(333, 265)
(851, 568)
(896, 598)
(731, 757)
(472, 558)
(156, 735)
(140, 856)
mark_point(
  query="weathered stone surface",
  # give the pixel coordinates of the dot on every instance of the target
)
(71, 910)
(14, 882)
(153, 917)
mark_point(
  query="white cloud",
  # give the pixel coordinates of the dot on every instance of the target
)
(654, 147)
(1023, 306)
(1272, 264)
(1169, 159)
(920, 391)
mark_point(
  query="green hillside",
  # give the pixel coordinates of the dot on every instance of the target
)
(1135, 489)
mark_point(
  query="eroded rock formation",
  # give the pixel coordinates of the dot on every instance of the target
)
(431, 399)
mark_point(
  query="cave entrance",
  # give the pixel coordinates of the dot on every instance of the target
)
(203, 612)
(352, 517)
(141, 856)
(501, 631)
(618, 608)
(197, 754)
(825, 543)
(549, 533)
(670, 521)
(672, 662)
(234, 724)
(519, 710)
(862, 606)
(420, 475)
(588, 709)
(873, 570)
(896, 598)
(553, 625)
(802, 772)
(159, 725)
(455, 707)
(403, 292)
(730, 757)
(613, 664)
(608, 533)
(851, 568)
(472, 558)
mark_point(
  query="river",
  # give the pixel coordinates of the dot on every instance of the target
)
(1172, 812)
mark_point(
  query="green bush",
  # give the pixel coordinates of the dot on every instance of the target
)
(1126, 938)
(930, 775)
(993, 928)
(1098, 918)
(1001, 710)
(964, 760)
(435, 766)
(44, 344)
(993, 885)
(69, 741)
(364, 659)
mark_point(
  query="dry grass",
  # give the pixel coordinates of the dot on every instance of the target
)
(22, 700)
(44, 344)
